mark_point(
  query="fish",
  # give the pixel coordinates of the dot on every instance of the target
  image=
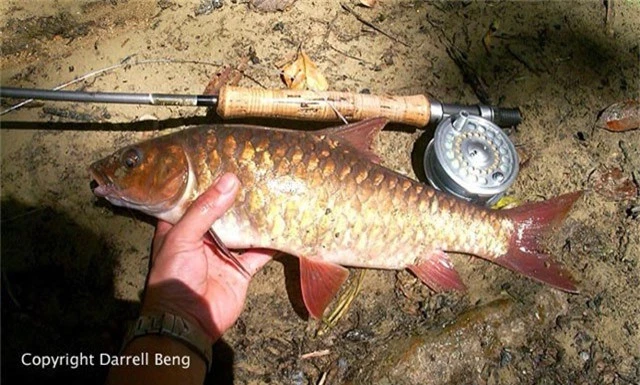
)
(324, 197)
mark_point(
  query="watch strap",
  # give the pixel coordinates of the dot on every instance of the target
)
(173, 326)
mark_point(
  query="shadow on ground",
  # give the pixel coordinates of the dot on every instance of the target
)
(58, 298)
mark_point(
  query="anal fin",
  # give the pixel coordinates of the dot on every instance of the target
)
(320, 281)
(436, 271)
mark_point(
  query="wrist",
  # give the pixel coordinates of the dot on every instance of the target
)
(157, 310)
(161, 299)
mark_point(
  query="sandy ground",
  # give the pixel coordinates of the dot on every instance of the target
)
(73, 267)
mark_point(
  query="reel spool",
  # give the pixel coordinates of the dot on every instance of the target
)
(471, 158)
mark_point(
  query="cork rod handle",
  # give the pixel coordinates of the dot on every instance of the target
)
(235, 102)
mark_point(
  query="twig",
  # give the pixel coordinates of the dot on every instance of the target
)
(123, 63)
(522, 61)
(317, 353)
(469, 74)
(343, 304)
(11, 219)
(608, 4)
(323, 379)
(350, 56)
(255, 81)
(370, 24)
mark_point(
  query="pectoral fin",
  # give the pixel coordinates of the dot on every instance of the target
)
(320, 281)
(436, 271)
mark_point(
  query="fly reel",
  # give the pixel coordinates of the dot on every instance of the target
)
(471, 158)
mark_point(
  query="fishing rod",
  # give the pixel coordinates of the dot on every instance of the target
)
(236, 102)
(469, 155)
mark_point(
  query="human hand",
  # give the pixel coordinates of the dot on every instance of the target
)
(189, 276)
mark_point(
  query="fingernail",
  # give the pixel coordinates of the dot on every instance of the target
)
(225, 184)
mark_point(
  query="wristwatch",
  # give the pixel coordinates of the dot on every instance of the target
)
(176, 327)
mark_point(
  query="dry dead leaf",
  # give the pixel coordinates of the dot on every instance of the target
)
(302, 73)
(614, 184)
(227, 76)
(621, 116)
(272, 5)
(523, 156)
(368, 3)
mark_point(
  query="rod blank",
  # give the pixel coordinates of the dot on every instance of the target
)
(110, 97)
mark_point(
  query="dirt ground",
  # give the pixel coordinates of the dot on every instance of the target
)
(73, 266)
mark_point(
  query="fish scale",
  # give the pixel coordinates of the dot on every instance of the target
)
(382, 226)
(322, 196)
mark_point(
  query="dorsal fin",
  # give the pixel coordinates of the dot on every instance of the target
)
(359, 135)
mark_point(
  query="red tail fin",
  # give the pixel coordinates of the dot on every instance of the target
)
(524, 256)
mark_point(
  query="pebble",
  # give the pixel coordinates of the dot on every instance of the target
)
(584, 356)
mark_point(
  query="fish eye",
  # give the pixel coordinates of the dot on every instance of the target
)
(131, 158)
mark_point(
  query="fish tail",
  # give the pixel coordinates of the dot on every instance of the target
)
(532, 221)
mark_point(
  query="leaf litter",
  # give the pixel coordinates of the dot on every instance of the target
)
(302, 73)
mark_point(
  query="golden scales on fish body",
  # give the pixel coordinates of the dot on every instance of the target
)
(323, 196)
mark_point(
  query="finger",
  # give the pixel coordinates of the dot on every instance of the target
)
(162, 228)
(210, 206)
(254, 259)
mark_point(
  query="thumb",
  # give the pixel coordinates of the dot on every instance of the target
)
(205, 210)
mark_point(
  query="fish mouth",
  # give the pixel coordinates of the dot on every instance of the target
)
(101, 185)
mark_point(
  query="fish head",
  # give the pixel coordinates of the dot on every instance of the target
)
(151, 176)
